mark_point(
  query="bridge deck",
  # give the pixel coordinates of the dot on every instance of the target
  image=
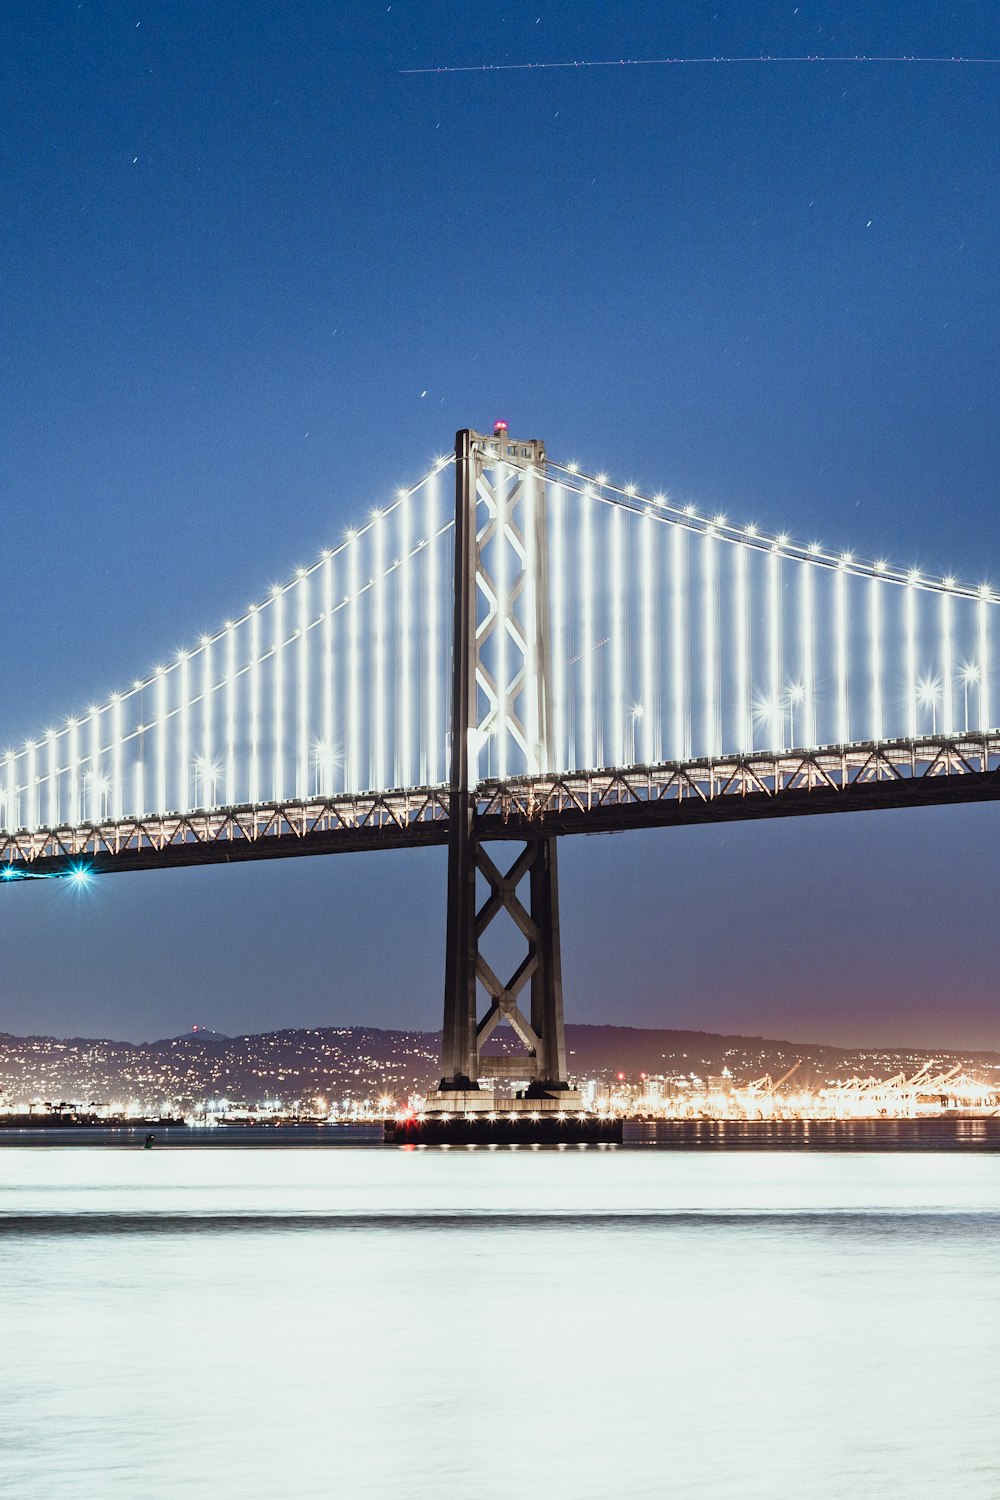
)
(851, 778)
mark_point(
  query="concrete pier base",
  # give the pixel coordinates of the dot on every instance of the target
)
(515, 1122)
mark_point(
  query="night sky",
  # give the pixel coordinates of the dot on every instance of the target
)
(253, 276)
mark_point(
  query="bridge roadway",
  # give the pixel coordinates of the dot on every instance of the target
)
(852, 778)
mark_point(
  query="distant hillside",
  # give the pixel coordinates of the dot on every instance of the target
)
(360, 1061)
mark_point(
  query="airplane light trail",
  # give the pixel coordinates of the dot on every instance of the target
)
(666, 62)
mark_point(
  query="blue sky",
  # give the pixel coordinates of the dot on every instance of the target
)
(254, 275)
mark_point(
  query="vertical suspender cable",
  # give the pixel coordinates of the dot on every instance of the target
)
(947, 666)
(377, 746)
(983, 607)
(255, 766)
(431, 737)
(911, 659)
(117, 772)
(404, 653)
(775, 717)
(710, 645)
(557, 659)
(161, 742)
(742, 631)
(840, 607)
(353, 669)
(184, 736)
(278, 697)
(679, 653)
(808, 634)
(231, 717)
(588, 643)
(650, 706)
(207, 702)
(303, 590)
(875, 655)
(325, 753)
(619, 708)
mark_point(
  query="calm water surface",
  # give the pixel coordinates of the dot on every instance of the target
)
(371, 1322)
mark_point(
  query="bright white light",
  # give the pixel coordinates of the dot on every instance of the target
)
(431, 734)
(843, 723)
(618, 635)
(231, 716)
(648, 583)
(709, 647)
(325, 784)
(774, 673)
(278, 698)
(947, 667)
(743, 633)
(533, 686)
(875, 655)
(678, 635)
(377, 747)
(630, 489)
(586, 566)
(983, 609)
(161, 742)
(207, 686)
(255, 723)
(184, 754)
(557, 659)
(573, 468)
(353, 669)
(910, 594)
(500, 636)
(808, 663)
(117, 756)
(302, 736)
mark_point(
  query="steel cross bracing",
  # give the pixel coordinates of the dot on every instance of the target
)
(899, 774)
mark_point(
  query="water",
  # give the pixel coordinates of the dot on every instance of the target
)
(480, 1325)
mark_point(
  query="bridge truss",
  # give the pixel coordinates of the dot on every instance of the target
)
(560, 655)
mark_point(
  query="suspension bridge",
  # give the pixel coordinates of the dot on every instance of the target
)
(549, 653)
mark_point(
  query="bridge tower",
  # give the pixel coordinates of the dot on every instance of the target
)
(501, 711)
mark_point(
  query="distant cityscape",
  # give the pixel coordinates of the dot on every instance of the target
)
(344, 1073)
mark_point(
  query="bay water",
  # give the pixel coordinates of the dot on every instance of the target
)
(485, 1324)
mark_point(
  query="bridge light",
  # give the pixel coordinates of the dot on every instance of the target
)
(751, 529)
(689, 510)
(814, 548)
(720, 520)
(659, 498)
(402, 492)
(573, 468)
(913, 576)
(601, 478)
(630, 489)
(782, 539)
(949, 582)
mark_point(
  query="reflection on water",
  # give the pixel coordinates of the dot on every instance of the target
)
(482, 1324)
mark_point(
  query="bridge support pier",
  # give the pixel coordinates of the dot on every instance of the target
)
(491, 699)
